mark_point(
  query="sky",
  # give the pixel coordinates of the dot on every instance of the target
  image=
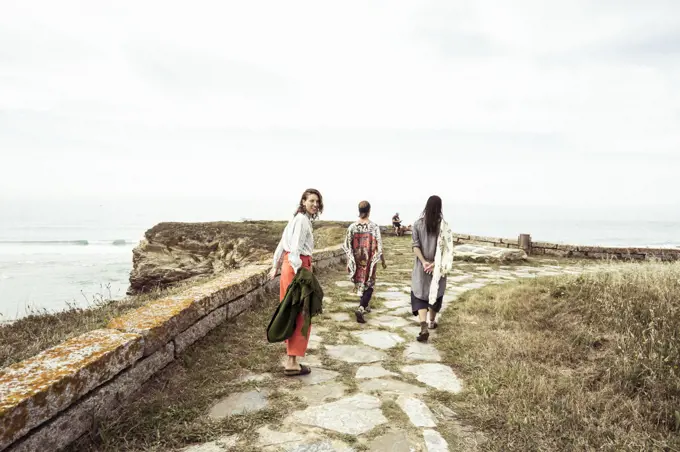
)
(529, 103)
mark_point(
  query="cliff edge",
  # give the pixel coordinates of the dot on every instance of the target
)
(177, 252)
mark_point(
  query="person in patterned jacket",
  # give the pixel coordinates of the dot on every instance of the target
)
(363, 246)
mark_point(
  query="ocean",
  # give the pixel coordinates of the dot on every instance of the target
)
(61, 255)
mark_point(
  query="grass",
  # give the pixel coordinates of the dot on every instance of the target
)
(264, 235)
(41, 329)
(572, 363)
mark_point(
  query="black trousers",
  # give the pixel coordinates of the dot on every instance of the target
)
(366, 297)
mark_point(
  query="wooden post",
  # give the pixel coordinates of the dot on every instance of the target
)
(524, 242)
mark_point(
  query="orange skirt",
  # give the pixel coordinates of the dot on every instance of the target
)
(297, 344)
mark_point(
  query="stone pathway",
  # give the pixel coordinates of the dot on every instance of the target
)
(372, 387)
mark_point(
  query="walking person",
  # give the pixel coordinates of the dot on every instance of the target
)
(433, 248)
(293, 253)
(363, 246)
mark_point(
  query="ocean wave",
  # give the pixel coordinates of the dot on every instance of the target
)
(117, 242)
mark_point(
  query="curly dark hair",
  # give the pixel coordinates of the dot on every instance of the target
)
(303, 198)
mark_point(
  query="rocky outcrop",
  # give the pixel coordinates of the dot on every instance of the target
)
(479, 253)
(180, 252)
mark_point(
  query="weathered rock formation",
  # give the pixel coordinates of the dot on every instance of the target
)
(174, 252)
(479, 253)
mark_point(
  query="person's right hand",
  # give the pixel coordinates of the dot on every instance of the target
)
(428, 266)
(272, 273)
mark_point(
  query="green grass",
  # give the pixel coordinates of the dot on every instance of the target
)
(584, 362)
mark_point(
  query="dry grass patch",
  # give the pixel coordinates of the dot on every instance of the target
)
(41, 329)
(576, 362)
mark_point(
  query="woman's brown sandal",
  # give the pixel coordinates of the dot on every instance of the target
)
(304, 370)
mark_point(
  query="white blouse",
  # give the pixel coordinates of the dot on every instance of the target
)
(297, 239)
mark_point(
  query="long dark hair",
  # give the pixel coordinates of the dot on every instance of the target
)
(433, 214)
(303, 198)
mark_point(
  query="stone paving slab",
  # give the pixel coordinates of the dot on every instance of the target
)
(394, 294)
(315, 341)
(373, 371)
(355, 353)
(437, 376)
(354, 415)
(311, 360)
(416, 410)
(383, 340)
(395, 387)
(396, 304)
(397, 441)
(321, 393)
(435, 442)
(390, 321)
(418, 351)
(322, 446)
(240, 403)
(340, 317)
(318, 376)
(272, 439)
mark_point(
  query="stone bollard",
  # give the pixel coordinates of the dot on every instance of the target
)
(524, 242)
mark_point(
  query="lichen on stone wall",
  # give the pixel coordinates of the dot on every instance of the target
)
(35, 389)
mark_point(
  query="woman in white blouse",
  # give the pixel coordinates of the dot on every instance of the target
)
(294, 252)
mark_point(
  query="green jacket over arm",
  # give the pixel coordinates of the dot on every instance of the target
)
(304, 295)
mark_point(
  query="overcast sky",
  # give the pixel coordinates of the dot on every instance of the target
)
(495, 102)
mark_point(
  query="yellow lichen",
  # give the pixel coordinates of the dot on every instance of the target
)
(45, 370)
(54, 379)
(152, 315)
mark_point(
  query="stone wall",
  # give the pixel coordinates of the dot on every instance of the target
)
(573, 251)
(50, 400)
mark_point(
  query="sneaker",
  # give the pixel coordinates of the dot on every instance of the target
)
(367, 309)
(360, 315)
